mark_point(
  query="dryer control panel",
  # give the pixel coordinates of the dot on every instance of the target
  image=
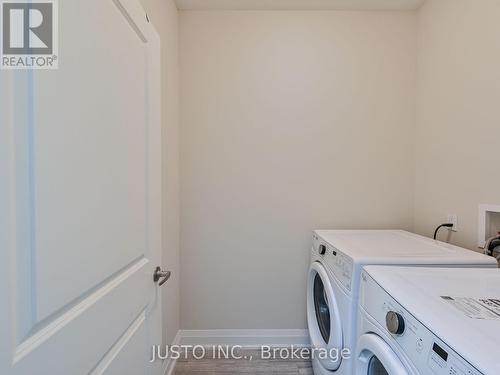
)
(428, 353)
(341, 266)
(335, 260)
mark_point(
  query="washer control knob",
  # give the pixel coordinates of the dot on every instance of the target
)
(322, 249)
(395, 323)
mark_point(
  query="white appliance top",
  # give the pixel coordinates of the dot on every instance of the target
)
(467, 319)
(399, 247)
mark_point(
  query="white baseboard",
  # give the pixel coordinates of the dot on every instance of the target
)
(246, 338)
(169, 364)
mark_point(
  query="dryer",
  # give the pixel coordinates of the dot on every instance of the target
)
(337, 259)
(423, 321)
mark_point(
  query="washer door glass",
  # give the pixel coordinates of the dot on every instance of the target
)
(321, 308)
(375, 367)
(323, 318)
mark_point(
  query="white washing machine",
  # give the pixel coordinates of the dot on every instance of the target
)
(423, 321)
(334, 276)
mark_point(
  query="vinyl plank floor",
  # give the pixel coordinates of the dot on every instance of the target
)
(252, 363)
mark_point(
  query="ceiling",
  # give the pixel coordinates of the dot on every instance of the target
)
(298, 4)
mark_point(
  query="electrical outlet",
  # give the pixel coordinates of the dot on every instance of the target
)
(452, 218)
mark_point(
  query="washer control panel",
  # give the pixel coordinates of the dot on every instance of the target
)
(428, 353)
(337, 262)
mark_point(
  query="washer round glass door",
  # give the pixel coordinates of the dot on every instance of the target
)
(375, 357)
(323, 319)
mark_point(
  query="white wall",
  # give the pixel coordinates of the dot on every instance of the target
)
(163, 14)
(458, 124)
(291, 121)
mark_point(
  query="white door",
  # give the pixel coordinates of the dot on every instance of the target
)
(375, 357)
(80, 199)
(323, 317)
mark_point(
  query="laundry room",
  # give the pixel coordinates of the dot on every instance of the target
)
(249, 187)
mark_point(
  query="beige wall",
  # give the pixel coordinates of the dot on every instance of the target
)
(297, 120)
(458, 117)
(163, 14)
(291, 121)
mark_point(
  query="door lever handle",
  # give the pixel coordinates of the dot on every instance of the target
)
(160, 274)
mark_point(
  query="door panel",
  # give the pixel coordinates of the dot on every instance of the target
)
(375, 357)
(98, 191)
(80, 233)
(323, 317)
(128, 354)
(92, 326)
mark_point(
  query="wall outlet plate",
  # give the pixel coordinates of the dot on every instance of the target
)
(486, 212)
(452, 218)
